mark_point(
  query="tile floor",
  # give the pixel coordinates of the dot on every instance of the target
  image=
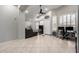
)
(38, 44)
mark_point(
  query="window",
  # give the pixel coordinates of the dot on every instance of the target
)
(68, 20)
(64, 20)
(54, 23)
(73, 19)
(60, 21)
(41, 22)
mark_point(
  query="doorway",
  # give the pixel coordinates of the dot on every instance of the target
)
(41, 29)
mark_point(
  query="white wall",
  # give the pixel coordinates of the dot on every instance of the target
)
(21, 25)
(27, 24)
(48, 24)
(8, 17)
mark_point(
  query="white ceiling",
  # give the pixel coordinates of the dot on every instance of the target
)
(34, 9)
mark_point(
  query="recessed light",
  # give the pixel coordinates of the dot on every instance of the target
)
(46, 9)
(27, 11)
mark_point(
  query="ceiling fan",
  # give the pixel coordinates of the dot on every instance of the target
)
(41, 10)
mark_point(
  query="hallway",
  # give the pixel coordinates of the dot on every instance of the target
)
(44, 44)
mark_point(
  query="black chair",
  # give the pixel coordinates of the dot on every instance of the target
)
(29, 33)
